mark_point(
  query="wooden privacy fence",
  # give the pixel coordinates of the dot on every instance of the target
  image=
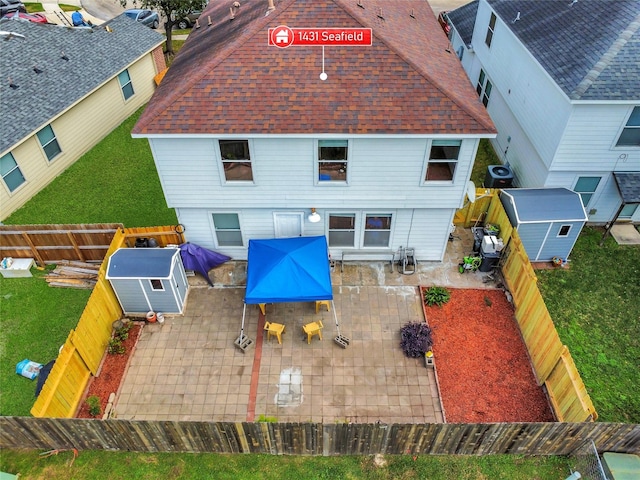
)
(475, 212)
(82, 353)
(315, 438)
(551, 360)
(52, 243)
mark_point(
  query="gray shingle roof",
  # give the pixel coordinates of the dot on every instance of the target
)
(591, 48)
(547, 204)
(94, 56)
(463, 19)
(628, 185)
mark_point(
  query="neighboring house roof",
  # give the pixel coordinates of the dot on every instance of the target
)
(227, 80)
(590, 48)
(463, 19)
(629, 186)
(95, 55)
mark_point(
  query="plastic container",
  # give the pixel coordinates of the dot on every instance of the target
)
(160, 317)
(28, 369)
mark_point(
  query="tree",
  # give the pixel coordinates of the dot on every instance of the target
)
(170, 10)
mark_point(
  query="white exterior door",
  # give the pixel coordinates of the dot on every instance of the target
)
(287, 224)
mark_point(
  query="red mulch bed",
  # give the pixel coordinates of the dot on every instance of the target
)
(111, 374)
(484, 372)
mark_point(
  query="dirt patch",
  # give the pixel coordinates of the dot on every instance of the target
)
(111, 373)
(484, 372)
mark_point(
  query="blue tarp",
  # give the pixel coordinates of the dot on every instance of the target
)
(288, 270)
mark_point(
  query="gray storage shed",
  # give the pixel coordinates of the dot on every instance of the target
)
(148, 279)
(548, 220)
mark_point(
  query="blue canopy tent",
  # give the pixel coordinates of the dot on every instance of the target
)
(287, 270)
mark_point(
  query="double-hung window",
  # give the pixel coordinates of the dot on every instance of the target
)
(586, 187)
(342, 229)
(377, 230)
(10, 171)
(484, 88)
(236, 160)
(49, 142)
(227, 229)
(443, 159)
(332, 160)
(630, 136)
(492, 25)
(124, 79)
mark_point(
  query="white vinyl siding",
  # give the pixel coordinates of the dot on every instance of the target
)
(285, 175)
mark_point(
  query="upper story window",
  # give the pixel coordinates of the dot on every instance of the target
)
(236, 160)
(10, 171)
(342, 229)
(227, 229)
(125, 84)
(377, 230)
(484, 88)
(490, 29)
(49, 142)
(630, 136)
(443, 159)
(332, 160)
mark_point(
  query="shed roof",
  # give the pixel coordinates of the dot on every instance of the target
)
(227, 80)
(94, 56)
(137, 263)
(538, 205)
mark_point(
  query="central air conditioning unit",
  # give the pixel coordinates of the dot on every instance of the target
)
(498, 176)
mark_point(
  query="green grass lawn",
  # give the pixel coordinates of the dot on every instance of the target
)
(595, 305)
(35, 321)
(486, 156)
(115, 182)
(127, 465)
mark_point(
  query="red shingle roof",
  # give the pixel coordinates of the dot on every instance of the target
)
(227, 80)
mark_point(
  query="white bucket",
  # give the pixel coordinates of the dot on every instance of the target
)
(160, 317)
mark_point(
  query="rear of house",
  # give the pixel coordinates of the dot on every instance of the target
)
(248, 139)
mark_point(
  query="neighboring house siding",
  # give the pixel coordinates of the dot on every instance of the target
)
(539, 106)
(284, 173)
(589, 145)
(77, 131)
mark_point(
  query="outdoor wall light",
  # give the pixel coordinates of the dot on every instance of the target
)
(314, 217)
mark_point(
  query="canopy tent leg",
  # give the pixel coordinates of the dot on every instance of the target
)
(243, 342)
(339, 339)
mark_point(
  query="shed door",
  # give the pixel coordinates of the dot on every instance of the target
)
(287, 225)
